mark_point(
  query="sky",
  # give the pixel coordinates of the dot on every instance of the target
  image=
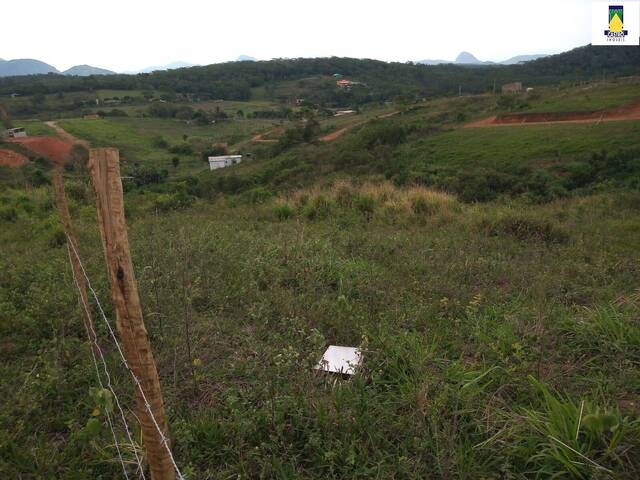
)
(129, 35)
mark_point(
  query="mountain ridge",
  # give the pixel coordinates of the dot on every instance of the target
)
(466, 58)
(25, 66)
(87, 70)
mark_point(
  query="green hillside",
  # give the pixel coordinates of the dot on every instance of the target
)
(488, 275)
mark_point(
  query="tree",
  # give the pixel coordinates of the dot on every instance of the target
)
(38, 99)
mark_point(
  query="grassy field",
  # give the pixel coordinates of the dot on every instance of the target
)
(489, 276)
(137, 137)
(512, 146)
(499, 340)
(36, 128)
(591, 97)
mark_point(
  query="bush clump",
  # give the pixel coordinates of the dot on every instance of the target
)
(8, 214)
(525, 229)
(283, 211)
(318, 208)
(421, 206)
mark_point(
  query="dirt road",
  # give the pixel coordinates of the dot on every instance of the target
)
(66, 136)
(341, 131)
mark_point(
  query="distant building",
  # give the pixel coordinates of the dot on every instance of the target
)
(341, 113)
(224, 161)
(515, 87)
(14, 133)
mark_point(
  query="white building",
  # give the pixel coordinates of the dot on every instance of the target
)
(223, 161)
(14, 133)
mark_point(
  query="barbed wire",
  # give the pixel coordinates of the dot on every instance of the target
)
(93, 338)
(163, 439)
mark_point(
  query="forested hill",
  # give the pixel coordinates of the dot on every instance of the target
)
(235, 80)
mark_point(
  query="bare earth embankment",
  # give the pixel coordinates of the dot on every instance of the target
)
(627, 112)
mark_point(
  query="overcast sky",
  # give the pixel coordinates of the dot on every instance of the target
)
(127, 35)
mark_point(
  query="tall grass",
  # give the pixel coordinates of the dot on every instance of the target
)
(382, 200)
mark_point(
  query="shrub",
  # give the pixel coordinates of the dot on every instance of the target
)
(8, 214)
(525, 229)
(317, 209)
(365, 204)
(159, 142)
(283, 211)
(176, 201)
(56, 237)
(257, 195)
(148, 176)
(181, 149)
(423, 207)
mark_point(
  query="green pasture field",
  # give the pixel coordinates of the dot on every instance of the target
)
(36, 128)
(590, 97)
(135, 137)
(514, 146)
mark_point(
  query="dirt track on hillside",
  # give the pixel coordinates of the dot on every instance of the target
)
(341, 131)
(626, 112)
(9, 158)
(260, 137)
(66, 136)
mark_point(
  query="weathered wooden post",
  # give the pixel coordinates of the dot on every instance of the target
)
(104, 167)
(78, 276)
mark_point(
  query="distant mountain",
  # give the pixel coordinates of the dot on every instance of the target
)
(522, 59)
(245, 58)
(24, 66)
(86, 70)
(466, 58)
(168, 66)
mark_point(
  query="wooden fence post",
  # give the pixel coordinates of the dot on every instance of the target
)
(104, 167)
(78, 275)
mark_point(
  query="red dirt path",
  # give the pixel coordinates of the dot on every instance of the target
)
(9, 158)
(52, 148)
(627, 112)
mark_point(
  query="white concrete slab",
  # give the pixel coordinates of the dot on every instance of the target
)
(340, 360)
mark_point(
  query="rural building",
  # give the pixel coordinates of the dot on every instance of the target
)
(223, 161)
(14, 133)
(341, 113)
(515, 87)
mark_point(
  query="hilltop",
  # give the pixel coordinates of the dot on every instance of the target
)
(25, 66)
(86, 70)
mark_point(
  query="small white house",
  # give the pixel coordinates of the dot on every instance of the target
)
(14, 133)
(223, 161)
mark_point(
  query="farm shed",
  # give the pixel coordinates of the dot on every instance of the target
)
(515, 87)
(223, 161)
(14, 133)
